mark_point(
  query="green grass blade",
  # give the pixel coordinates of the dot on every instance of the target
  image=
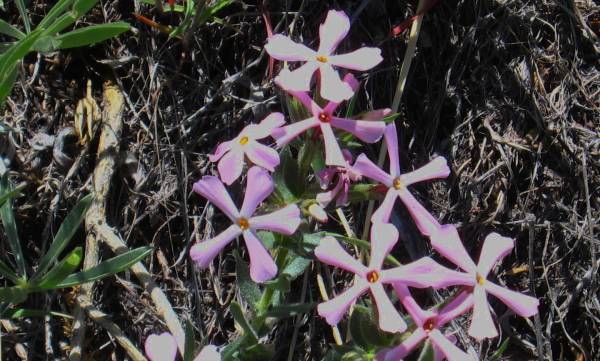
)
(81, 7)
(10, 59)
(212, 10)
(90, 35)
(66, 231)
(59, 272)
(57, 10)
(8, 273)
(107, 268)
(13, 295)
(10, 227)
(7, 29)
(23, 11)
(12, 194)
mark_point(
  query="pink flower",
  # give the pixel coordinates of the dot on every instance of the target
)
(495, 247)
(422, 273)
(345, 176)
(260, 185)
(231, 154)
(368, 131)
(164, 348)
(428, 324)
(332, 31)
(398, 183)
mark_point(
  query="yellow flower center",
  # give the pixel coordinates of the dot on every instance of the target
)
(398, 184)
(322, 58)
(325, 118)
(244, 140)
(372, 276)
(480, 279)
(429, 325)
(243, 223)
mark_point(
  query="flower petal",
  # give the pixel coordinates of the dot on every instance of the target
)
(349, 79)
(262, 266)
(333, 153)
(220, 151)
(426, 223)
(460, 304)
(495, 247)
(333, 30)
(231, 166)
(377, 114)
(266, 127)
(389, 318)
(259, 186)
(482, 326)
(446, 242)
(400, 352)
(263, 156)
(332, 87)
(326, 197)
(523, 305)
(450, 350)
(286, 134)
(325, 176)
(285, 220)
(298, 79)
(383, 239)
(329, 251)
(161, 347)
(418, 315)
(367, 168)
(283, 48)
(438, 355)
(334, 309)
(360, 59)
(437, 168)
(383, 213)
(211, 188)
(366, 130)
(208, 353)
(204, 252)
(391, 140)
(424, 273)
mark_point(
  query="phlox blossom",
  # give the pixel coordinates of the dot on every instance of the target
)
(427, 327)
(369, 130)
(164, 348)
(495, 247)
(345, 175)
(422, 273)
(259, 186)
(231, 154)
(331, 33)
(397, 183)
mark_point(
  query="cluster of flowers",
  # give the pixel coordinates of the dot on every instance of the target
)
(471, 279)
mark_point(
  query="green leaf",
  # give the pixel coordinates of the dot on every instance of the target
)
(257, 352)
(498, 354)
(427, 353)
(67, 230)
(9, 62)
(280, 283)
(365, 330)
(8, 273)
(288, 185)
(59, 272)
(238, 316)
(363, 192)
(90, 35)
(190, 342)
(58, 9)
(23, 12)
(81, 7)
(7, 29)
(211, 10)
(12, 194)
(10, 227)
(290, 309)
(296, 266)
(248, 288)
(107, 268)
(15, 313)
(13, 295)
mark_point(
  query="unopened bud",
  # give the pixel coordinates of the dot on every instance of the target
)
(318, 213)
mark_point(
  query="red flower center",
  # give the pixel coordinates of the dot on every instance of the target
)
(243, 223)
(324, 117)
(429, 325)
(372, 276)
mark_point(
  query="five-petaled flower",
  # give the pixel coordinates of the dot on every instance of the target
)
(331, 33)
(231, 154)
(422, 273)
(398, 183)
(495, 247)
(259, 186)
(427, 327)
(164, 348)
(345, 176)
(368, 130)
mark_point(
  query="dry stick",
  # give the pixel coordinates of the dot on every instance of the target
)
(108, 147)
(406, 63)
(337, 336)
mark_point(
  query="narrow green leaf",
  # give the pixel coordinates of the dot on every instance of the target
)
(57, 10)
(23, 12)
(427, 353)
(81, 7)
(13, 295)
(190, 342)
(10, 227)
(7, 81)
(90, 35)
(7, 29)
(59, 272)
(63, 21)
(238, 316)
(8, 273)
(14, 313)
(12, 194)
(290, 309)
(248, 288)
(10, 59)
(295, 266)
(67, 230)
(210, 11)
(498, 354)
(107, 268)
